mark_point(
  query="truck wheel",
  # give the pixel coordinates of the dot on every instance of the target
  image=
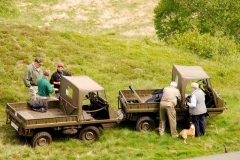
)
(145, 124)
(41, 139)
(90, 133)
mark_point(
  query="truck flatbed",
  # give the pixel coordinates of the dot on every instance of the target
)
(54, 116)
(51, 113)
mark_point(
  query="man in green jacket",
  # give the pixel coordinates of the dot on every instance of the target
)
(44, 87)
(32, 74)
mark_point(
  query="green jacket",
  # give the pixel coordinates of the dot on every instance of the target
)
(44, 87)
(32, 75)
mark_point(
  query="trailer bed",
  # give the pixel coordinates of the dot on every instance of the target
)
(129, 103)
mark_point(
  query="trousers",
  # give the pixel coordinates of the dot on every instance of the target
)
(199, 122)
(167, 110)
(33, 90)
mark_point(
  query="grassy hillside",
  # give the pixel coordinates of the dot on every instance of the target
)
(115, 63)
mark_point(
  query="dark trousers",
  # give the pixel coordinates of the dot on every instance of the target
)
(199, 122)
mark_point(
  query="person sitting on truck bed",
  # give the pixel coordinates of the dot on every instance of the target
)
(44, 87)
(167, 104)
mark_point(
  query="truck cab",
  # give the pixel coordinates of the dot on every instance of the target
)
(86, 99)
(184, 76)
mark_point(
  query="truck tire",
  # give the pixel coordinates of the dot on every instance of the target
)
(41, 139)
(90, 133)
(145, 123)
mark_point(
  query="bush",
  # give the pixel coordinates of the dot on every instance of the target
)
(173, 16)
(204, 44)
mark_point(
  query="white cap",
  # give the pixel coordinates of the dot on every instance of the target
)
(194, 85)
(174, 84)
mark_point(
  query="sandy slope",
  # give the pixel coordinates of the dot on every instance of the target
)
(126, 17)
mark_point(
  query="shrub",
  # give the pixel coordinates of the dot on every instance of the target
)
(204, 44)
(173, 16)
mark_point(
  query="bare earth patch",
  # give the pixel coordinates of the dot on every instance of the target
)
(127, 18)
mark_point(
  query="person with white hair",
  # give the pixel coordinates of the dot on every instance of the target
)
(167, 109)
(197, 109)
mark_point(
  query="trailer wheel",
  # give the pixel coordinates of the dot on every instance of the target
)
(41, 139)
(90, 133)
(145, 123)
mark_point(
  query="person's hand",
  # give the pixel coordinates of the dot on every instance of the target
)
(57, 83)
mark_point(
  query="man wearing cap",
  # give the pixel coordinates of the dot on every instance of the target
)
(167, 109)
(44, 87)
(197, 109)
(32, 74)
(56, 77)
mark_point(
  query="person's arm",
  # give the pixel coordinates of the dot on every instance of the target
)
(193, 101)
(27, 77)
(67, 73)
(179, 95)
(50, 89)
(52, 80)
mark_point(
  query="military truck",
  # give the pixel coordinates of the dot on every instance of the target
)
(81, 109)
(135, 104)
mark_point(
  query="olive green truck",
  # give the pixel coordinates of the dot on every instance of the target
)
(82, 108)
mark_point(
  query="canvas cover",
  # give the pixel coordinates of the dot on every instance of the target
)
(84, 83)
(184, 74)
(80, 85)
(190, 72)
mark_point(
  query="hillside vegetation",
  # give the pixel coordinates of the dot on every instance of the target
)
(206, 28)
(115, 61)
(214, 16)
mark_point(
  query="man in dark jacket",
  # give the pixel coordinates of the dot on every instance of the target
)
(56, 77)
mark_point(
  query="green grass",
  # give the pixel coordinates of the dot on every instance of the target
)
(115, 63)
